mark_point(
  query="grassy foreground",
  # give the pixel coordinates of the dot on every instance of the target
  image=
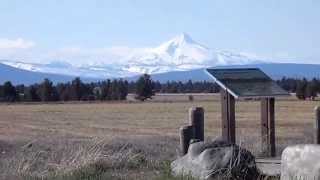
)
(126, 140)
(91, 159)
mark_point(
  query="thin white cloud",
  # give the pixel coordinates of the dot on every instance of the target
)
(18, 43)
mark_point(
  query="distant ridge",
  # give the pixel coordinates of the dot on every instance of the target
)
(275, 70)
(20, 76)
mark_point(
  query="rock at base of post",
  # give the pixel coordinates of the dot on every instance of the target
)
(209, 160)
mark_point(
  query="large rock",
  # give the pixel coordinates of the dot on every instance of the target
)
(301, 162)
(209, 160)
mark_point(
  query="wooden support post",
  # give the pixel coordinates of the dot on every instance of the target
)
(196, 118)
(228, 117)
(268, 127)
(186, 134)
(316, 138)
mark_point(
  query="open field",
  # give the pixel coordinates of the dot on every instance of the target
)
(68, 133)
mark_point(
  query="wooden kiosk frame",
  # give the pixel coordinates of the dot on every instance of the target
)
(248, 83)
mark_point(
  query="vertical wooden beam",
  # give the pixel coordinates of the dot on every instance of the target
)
(228, 117)
(316, 138)
(196, 118)
(268, 126)
(186, 134)
(224, 115)
(264, 125)
(232, 118)
(272, 130)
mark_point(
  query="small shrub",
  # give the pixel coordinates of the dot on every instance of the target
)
(190, 97)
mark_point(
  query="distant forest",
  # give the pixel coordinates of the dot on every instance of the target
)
(118, 89)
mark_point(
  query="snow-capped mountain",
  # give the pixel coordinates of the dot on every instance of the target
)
(178, 54)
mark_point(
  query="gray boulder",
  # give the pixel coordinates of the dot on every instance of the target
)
(301, 162)
(217, 159)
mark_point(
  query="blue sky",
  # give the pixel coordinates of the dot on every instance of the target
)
(286, 30)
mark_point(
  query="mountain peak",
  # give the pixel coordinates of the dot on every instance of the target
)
(179, 41)
(183, 38)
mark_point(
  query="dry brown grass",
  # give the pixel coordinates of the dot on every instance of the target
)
(66, 136)
(129, 158)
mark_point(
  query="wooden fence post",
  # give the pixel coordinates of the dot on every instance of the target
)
(228, 117)
(196, 118)
(186, 134)
(316, 133)
(268, 126)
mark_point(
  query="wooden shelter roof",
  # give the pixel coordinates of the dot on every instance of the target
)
(246, 82)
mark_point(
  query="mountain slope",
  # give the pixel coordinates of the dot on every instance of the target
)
(19, 76)
(181, 53)
(275, 70)
(180, 58)
(64, 68)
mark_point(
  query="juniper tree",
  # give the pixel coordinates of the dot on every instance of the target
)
(31, 93)
(301, 89)
(106, 90)
(9, 92)
(46, 91)
(77, 89)
(123, 89)
(311, 90)
(144, 88)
